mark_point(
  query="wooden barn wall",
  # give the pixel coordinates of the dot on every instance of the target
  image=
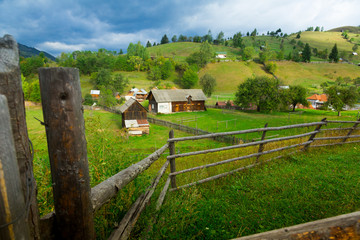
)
(185, 106)
(134, 112)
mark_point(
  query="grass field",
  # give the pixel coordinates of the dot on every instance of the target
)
(110, 150)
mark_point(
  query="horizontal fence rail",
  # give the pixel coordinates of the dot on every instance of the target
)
(213, 135)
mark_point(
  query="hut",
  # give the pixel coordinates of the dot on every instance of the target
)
(134, 117)
(178, 100)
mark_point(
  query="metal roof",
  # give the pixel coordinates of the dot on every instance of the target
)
(178, 95)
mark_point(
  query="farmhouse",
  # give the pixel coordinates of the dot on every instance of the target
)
(134, 117)
(137, 94)
(179, 100)
(220, 54)
(316, 101)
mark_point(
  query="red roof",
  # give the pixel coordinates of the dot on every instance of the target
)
(322, 97)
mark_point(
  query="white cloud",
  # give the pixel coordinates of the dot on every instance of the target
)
(62, 47)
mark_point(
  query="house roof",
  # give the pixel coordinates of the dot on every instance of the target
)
(178, 95)
(128, 104)
(97, 92)
(321, 98)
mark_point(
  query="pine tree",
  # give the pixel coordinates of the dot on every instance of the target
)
(164, 39)
(306, 54)
(334, 55)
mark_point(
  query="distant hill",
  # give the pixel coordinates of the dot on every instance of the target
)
(351, 29)
(26, 52)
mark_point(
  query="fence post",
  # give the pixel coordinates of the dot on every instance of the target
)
(65, 132)
(312, 136)
(12, 204)
(261, 146)
(351, 131)
(172, 160)
(11, 87)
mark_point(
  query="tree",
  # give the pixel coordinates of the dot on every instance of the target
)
(295, 95)
(254, 33)
(219, 38)
(166, 69)
(154, 73)
(208, 37)
(88, 100)
(148, 44)
(119, 83)
(164, 40)
(238, 41)
(174, 38)
(317, 29)
(136, 62)
(270, 67)
(189, 79)
(298, 35)
(137, 50)
(106, 97)
(261, 91)
(202, 57)
(306, 54)
(208, 84)
(248, 53)
(334, 55)
(35, 95)
(355, 47)
(339, 97)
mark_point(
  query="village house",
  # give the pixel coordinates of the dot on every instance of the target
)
(139, 95)
(221, 55)
(316, 101)
(225, 104)
(179, 100)
(134, 117)
(95, 94)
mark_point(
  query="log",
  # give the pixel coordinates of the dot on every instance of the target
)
(332, 121)
(240, 146)
(65, 132)
(262, 145)
(340, 227)
(351, 130)
(11, 87)
(104, 191)
(239, 158)
(335, 129)
(213, 135)
(313, 135)
(12, 203)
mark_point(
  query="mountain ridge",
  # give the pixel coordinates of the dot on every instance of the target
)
(26, 52)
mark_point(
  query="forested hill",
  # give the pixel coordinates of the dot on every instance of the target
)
(26, 52)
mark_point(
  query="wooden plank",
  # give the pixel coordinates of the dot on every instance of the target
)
(332, 121)
(351, 130)
(213, 135)
(172, 160)
(240, 145)
(313, 135)
(129, 220)
(333, 144)
(262, 145)
(104, 191)
(239, 158)
(339, 137)
(335, 129)
(340, 227)
(65, 132)
(12, 204)
(162, 195)
(227, 173)
(11, 87)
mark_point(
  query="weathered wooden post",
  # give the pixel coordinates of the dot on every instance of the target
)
(351, 131)
(65, 132)
(12, 204)
(262, 145)
(312, 136)
(10, 86)
(172, 160)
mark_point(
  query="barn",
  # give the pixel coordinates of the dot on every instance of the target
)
(134, 117)
(177, 100)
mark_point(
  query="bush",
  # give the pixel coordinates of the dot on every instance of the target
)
(271, 67)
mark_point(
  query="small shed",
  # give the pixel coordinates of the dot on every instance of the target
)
(134, 117)
(95, 94)
(178, 100)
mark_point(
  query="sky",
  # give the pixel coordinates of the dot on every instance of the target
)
(57, 26)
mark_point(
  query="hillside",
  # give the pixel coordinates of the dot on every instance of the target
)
(351, 29)
(26, 52)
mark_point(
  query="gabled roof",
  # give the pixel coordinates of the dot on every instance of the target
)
(128, 104)
(177, 95)
(321, 98)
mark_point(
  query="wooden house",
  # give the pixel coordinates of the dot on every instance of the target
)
(134, 117)
(179, 100)
(139, 95)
